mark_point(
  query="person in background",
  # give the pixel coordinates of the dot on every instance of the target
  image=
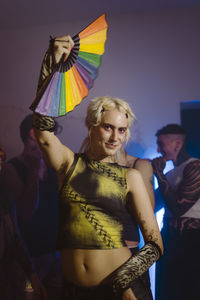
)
(93, 190)
(131, 230)
(16, 267)
(177, 273)
(34, 188)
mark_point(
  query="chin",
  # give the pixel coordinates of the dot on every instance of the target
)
(111, 152)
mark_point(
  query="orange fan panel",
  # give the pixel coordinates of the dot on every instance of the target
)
(74, 88)
(81, 85)
(94, 27)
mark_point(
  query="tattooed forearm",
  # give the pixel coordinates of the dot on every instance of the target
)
(149, 234)
(135, 267)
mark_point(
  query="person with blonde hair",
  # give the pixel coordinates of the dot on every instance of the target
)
(130, 226)
(94, 114)
(93, 192)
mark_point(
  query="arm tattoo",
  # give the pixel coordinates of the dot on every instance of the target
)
(135, 266)
(188, 191)
(189, 187)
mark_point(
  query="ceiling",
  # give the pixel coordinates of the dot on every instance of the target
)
(29, 13)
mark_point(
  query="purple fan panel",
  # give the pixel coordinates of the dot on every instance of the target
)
(46, 99)
(84, 75)
(54, 109)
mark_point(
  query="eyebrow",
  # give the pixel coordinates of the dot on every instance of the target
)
(124, 127)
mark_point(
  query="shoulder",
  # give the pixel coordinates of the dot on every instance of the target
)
(10, 166)
(141, 162)
(192, 167)
(134, 180)
(144, 166)
(133, 174)
(193, 164)
(10, 178)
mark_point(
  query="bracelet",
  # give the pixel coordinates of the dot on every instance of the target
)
(43, 123)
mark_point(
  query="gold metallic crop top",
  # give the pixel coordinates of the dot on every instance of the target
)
(91, 205)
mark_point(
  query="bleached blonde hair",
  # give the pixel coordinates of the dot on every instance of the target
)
(101, 104)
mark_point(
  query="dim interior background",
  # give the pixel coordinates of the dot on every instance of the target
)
(152, 60)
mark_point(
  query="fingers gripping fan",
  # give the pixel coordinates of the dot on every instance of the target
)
(69, 83)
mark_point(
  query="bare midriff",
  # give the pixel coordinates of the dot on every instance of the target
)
(132, 244)
(89, 268)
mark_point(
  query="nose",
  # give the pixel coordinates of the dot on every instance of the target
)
(114, 135)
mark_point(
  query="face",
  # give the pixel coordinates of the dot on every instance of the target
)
(167, 147)
(32, 147)
(109, 135)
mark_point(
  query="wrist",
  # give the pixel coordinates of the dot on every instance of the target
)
(43, 123)
(161, 177)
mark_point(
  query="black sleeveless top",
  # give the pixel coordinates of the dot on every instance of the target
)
(92, 205)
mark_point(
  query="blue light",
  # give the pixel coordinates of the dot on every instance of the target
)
(159, 217)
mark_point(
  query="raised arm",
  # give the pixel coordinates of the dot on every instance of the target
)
(56, 155)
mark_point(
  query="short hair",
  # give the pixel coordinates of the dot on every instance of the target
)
(171, 129)
(101, 104)
(27, 124)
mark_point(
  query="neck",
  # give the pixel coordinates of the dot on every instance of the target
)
(182, 156)
(100, 157)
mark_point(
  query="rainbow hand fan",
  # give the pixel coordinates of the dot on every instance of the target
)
(69, 83)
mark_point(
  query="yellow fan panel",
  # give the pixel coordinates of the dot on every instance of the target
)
(93, 48)
(68, 93)
(95, 38)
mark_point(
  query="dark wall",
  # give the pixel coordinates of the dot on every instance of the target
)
(190, 120)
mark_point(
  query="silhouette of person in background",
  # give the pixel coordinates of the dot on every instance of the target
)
(34, 188)
(177, 273)
(15, 262)
(16, 266)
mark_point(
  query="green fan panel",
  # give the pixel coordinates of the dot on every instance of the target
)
(62, 106)
(94, 59)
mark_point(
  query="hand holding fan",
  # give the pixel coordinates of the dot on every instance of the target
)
(69, 83)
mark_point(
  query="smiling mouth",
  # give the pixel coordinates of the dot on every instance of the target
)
(111, 146)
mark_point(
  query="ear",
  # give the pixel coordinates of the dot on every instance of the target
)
(178, 145)
(32, 134)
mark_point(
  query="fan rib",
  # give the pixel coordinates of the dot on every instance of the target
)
(71, 79)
